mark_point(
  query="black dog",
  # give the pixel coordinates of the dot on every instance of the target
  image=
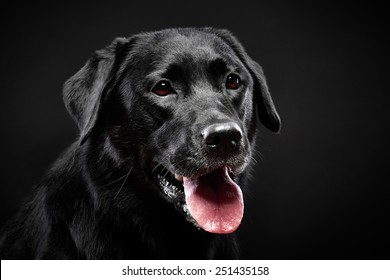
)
(167, 125)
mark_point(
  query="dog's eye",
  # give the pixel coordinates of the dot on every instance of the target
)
(233, 81)
(162, 88)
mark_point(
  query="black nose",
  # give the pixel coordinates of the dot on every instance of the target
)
(222, 137)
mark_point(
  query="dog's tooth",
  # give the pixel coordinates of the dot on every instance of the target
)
(179, 178)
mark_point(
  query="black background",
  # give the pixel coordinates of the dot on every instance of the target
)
(319, 190)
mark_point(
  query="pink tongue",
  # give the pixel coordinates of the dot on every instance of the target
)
(214, 201)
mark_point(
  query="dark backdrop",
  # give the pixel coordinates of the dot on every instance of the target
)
(319, 189)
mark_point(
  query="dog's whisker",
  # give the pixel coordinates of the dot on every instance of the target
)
(166, 173)
(254, 159)
(157, 166)
(258, 154)
(113, 182)
(124, 181)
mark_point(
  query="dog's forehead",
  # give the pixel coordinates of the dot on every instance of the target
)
(192, 46)
(196, 45)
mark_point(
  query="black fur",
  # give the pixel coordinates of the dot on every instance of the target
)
(101, 199)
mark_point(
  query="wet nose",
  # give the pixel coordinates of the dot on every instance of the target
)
(222, 137)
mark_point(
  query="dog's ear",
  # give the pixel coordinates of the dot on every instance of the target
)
(265, 106)
(85, 91)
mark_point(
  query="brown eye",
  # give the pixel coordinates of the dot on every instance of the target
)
(163, 88)
(232, 81)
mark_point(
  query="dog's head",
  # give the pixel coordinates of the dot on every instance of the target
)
(180, 103)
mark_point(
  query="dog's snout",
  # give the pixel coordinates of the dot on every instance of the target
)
(222, 137)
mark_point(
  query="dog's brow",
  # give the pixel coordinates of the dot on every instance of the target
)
(175, 72)
(218, 66)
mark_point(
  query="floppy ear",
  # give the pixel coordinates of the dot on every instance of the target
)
(265, 106)
(85, 91)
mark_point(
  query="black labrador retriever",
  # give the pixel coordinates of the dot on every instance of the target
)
(167, 126)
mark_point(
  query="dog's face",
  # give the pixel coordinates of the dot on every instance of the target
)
(183, 103)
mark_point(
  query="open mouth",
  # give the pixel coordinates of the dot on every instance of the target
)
(213, 200)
